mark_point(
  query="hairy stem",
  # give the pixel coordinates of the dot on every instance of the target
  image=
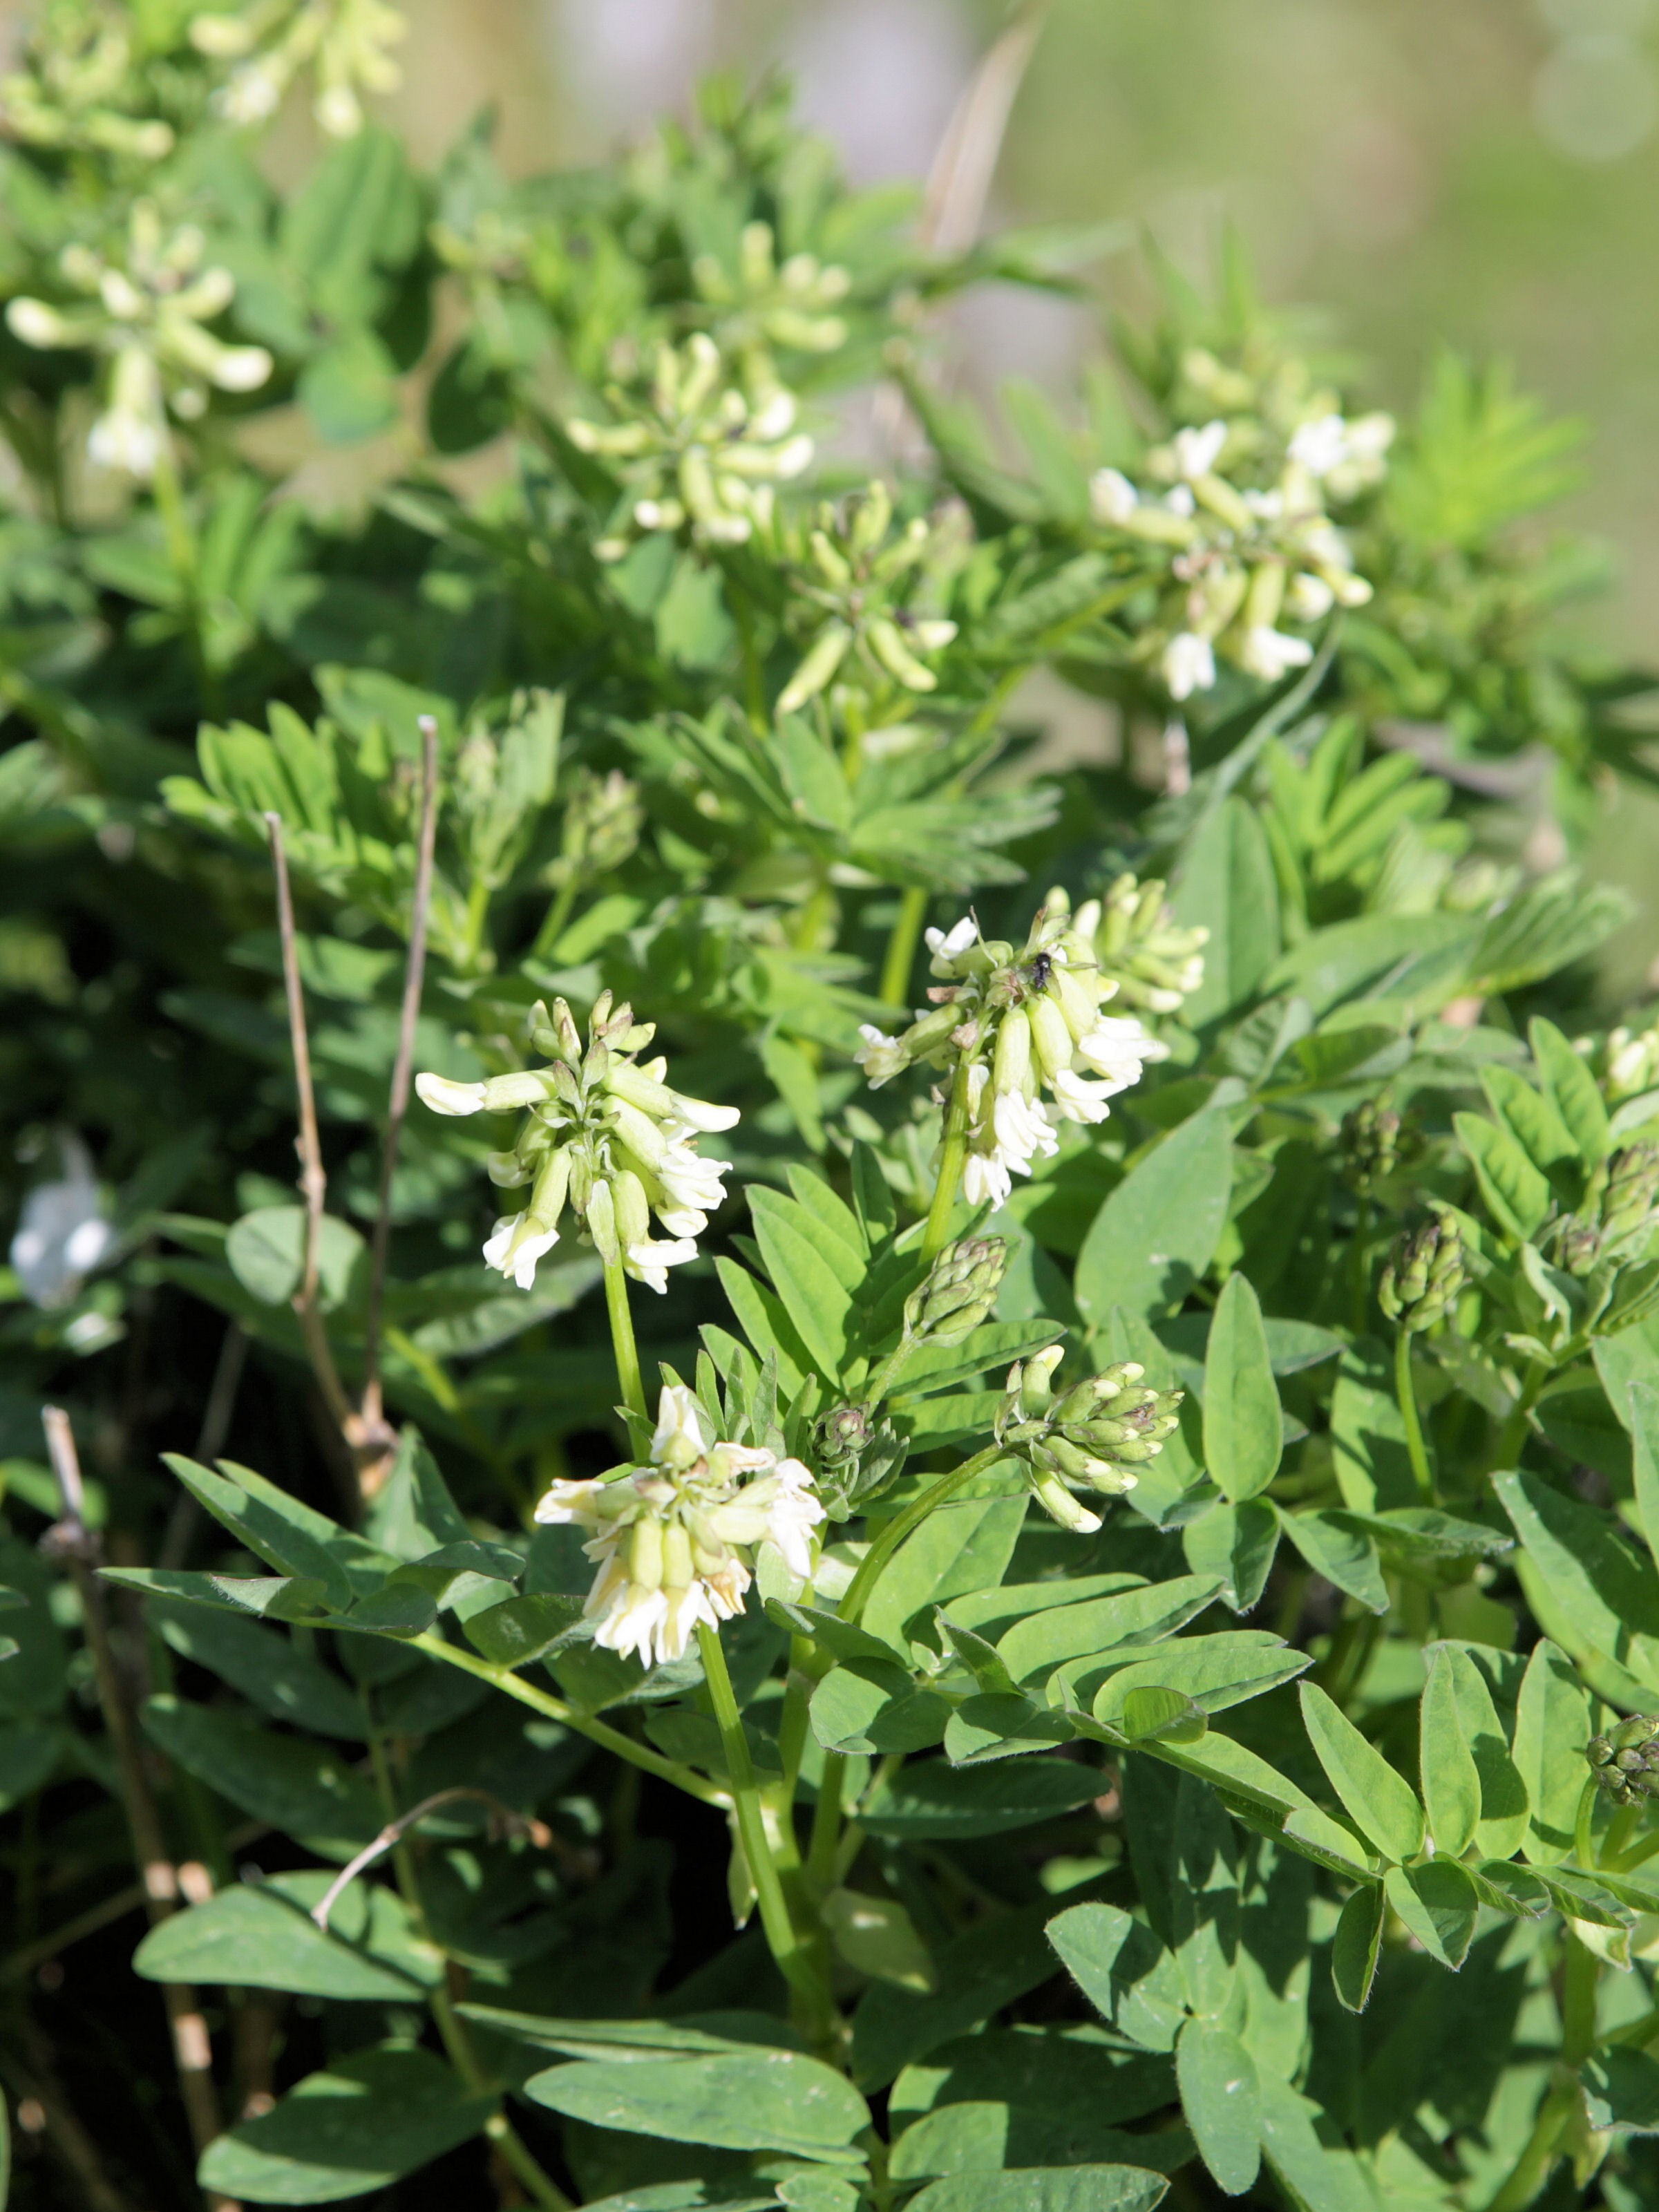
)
(857, 1594)
(1528, 2173)
(1405, 1391)
(1512, 1437)
(629, 1379)
(937, 1234)
(896, 969)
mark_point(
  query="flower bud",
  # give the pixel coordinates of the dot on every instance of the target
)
(959, 1293)
(1424, 1273)
(1625, 1762)
(1369, 1143)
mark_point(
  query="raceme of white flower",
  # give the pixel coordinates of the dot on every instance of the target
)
(1021, 1022)
(62, 1234)
(1155, 961)
(675, 1541)
(853, 578)
(1240, 547)
(698, 446)
(149, 315)
(763, 304)
(345, 40)
(604, 1134)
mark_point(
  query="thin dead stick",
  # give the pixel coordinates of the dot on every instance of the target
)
(372, 1420)
(500, 1816)
(70, 1540)
(313, 1183)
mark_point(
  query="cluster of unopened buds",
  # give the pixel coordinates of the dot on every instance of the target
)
(345, 42)
(675, 1539)
(765, 302)
(695, 448)
(1616, 1218)
(1094, 1436)
(1016, 1022)
(1626, 1761)
(855, 578)
(80, 81)
(1237, 557)
(148, 312)
(605, 1135)
(1424, 1273)
(1155, 961)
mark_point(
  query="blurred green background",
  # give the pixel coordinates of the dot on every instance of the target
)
(1480, 172)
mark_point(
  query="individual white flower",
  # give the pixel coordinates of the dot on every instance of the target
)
(1309, 599)
(879, 1055)
(445, 1096)
(1118, 1047)
(1078, 1100)
(1270, 653)
(1112, 498)
(1322, 444)
(1022, 1129)
(649, 1261)
(515, 1245)
(61, 1234)
(1179, 500)
(1188, 664)
(1197, 452)
(947, 944)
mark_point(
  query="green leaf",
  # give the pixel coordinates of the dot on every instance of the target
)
(1092, 2188)
(754, 2100)
(929, 1798)
(1226, 885)
(980, 1973)
(1608, 1590)
(259, 1937)
(265, 1250)
(280, 1534)
(1243, 1425)
(1529, 1116)
(1643, 1402)
(269, 1670)
(1552, 1727)
(1377, 1798)
(256, 1597)
(1046, 2189)
(1355, 1947)
(412, 1513)
(965, 1545)
(873, 1705)
(1033, 1648)
(1151, 1710)
(1312, 2174)
(360, 2123)
(1572, 1089)
(1158, 1232)
(1517, 1193)
(1621, 2090)
(1451, 1786)
(1123, 1970)
(1346, 1555)
(299, 1786)
(349, 389)
(32, 1681)
(812, 1273)
(29, 1750)
(1235, 1543)
(1368, 1438)
(1438, 1905)
(1214, 1672)
(1220, 2103)
(1026, 2097)
(1501, 1827)
(877, 1936)
(522, 1629)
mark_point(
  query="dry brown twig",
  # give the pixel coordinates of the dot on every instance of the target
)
(70, 1540)
(503, 1821)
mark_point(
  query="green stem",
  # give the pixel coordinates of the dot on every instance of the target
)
(1620, 1829)
(937, 1235)
(1637, 1856)
(554, 1709)
(1358, 1287)
(816, 911)
(857, 1592)
(450, 2026)
(628, 1379)
(558, 915)
(1584, 1843)
(826, 1825)
(1405, 1391)
(901, 959)
(1530, 2171)
(1513, 1435)
(477, 915)
(793, 1954)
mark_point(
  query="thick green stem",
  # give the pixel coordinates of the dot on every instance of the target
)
(1358, 1287)
(826, 1825)
(896, 969)
(1583, 1844)
(1513, 1434)
(1405, 1391)
(1530, 2171)
(554, 1709)
(857, 1592)
(793, 1952)
(937, 1235)
(180, 539)
(628, 1379)
(557, 916)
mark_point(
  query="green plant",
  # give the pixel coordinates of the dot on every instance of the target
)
(1104, 1650)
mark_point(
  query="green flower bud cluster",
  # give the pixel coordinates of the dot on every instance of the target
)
(603, 818)
(1093, 1436)
(344, 42)
(1626, 1761)
(1424, 1273)
(148, 312)
(763, 303)
(694, 449)
(1154, 962)
(1370, 1146)
(604, 1134)
(1231, 515)
(1018, 1020)
(858, 1453)
(959, 1293)
(1619, 1198)
(81, 81)
(861, 593)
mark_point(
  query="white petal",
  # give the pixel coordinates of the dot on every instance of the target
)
(444, 1096)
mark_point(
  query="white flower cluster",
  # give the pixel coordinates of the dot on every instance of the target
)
(344, 41)
(854, 580)
(1238, 559)
(604, 1134)
(695, 448)
(674, 1541)
(148, 313)
(1022, 1022)
(82, 77)
(791, 305)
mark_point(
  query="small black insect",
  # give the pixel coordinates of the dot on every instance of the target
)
(1040, 971)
